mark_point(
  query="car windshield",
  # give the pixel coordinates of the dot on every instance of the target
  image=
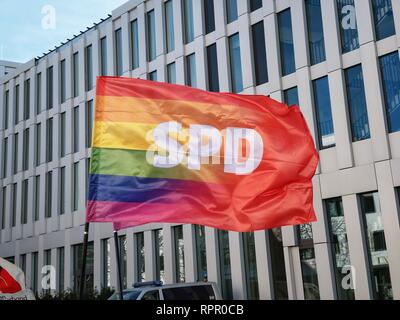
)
(128, 295)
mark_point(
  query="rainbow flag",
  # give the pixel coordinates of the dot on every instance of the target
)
(169, 153)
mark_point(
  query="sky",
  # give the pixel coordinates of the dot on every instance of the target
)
(29, 28)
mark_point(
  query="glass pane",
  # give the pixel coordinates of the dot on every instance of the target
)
(169, 26)
(50, 87)
(357, 103)
(315, 31)
(77, 267)
(324, 113)
(260, 56)
(104, 57)
(62, 191)
(231, 10)
(291, 97)
(225, 264)
(141, 275)
(6, 109)
(16, 104)
(171, 73)
(122, 253)
(278, 264)
(390, 72)
(151, 36)
(212, 64)
(201, 256)
(309, 274)
(383, 18)
(75, 63)
(63, 81)
(255, 4)
(60, 274)
(286, 42)
(118, 52)
(348, 25)
(249, 251)
(188, 17)
(236, 64)
(209, 16)
(159, 251)
(376, 246)
(27, 90)
(191, 70)
(135, 44)
(179, 254)
(153, 76)
(340, 248)
(76, 129)
(106, 280)
(89, 68)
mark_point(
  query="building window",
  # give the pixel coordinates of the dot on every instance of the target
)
(6, 109)
(14, 204)
(15, 164)
(231, 10)
(75, 69)
(260, 56)
(339, 244)
(3, 207)
(38, 93)
(376, 246)
(37, 198)
(235, 63)
(153, 75)
(179, 254)
(348, 25)
(191, 70)
(38, 143)
(62, 191)
(123, 259)
(61, 268)
(62, 134)
(77, 251)
(103, 56)
(171, 73)
(315, 31)
(134, 45)
(49, 140)
(323, 110)
(278, 264)
(76, 129)
(27, 98)
(25, 160)
(151, 36)
(212, 66)
(255, 4)
(169, 26)
(390, 73)
(250, 263)
(89, 122)
(188, 18)
(159, 254)
(201, 254)
(16, 104)
(291, 97)
(106, 258)
(75, 186)
(63, 82)
(286, 42)
(5, 157)
(34, 272)
(140, 262)
(357, 103)
(383, 19)
(23, 263)
(49, 194)
(118, 52)
(225, 264)
(89, 67)
(209, 16)
(49, 86)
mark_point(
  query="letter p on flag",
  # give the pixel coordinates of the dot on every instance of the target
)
(173, 154)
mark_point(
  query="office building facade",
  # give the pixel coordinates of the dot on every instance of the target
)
(337, 59)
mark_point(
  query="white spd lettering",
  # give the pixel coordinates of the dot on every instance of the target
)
(203, 146)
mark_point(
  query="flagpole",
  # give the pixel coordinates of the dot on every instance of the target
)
(84, 256)
(118, 256)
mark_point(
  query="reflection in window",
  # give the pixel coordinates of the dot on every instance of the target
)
(383, 18)
(103, 56)
(278, 264)
(89, 68)
(286, 42)
(309, 274)
(106, 259)
(14, 204)
(340, 245)
(50, 85)
(225, 264)
(5, 158)
(169, 26)
(134, 44)
(188, 18)
(24, 205)
(118, 52)
(212, 66)
(151, 36)
(16, 98)
(390, 72)
(357, 103)
(6, 109)
(153, 75)
(376, 246)
(3, 207)
(61, 274)
(49, 140)
(231, 10)
(235, 64)
(34, 272)
(315, 31)
(201, 256)
(323, 110)
(75, 69)
(348, 25)
(75, 185)
(209, 16)
(89, 122)
(122, 256)
(250, 262)
(179, 254)
(291, 97)
(63, 81)
(171, 73)
(27, 95)
(49, 194)
(260, 56)
(140, 265)
(255, 4)
(191, 70)
(77, 252)
(159, 252)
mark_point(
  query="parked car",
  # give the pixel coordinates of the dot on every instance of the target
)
(156, 290)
